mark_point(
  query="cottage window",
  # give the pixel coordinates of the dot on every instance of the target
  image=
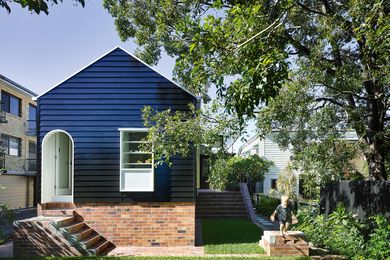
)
(11, 104)
(136, 166)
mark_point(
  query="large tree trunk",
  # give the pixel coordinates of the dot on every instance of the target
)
(374, 136)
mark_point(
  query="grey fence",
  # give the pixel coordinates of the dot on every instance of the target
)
(364, 198)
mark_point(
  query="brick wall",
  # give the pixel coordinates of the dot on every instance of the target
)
(142, 224)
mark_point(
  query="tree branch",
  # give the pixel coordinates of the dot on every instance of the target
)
(331, 100)
(311, 10)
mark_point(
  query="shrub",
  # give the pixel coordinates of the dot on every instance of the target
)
(287, 183)
(266, 205)
(237, 169)
(343, 234)
(6, 217)
(378, 244)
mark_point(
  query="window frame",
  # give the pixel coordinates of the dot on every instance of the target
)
(143, 172)
(8, 143)
(29, 120)
(7, 106)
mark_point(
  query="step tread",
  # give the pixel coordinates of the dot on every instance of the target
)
(99, 246)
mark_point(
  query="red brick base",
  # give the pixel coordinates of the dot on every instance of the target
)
(293, 244)
(142, 224)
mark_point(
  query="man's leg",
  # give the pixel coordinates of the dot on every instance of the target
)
(286, 227)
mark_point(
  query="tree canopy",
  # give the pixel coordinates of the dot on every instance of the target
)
(36, 6)
(318, 68)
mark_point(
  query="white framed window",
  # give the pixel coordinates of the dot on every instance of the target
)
(136, 166)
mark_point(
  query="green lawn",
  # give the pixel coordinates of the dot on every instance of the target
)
(159, 258)
(231, 236)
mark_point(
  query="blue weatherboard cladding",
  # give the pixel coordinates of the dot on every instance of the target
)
(92, 105)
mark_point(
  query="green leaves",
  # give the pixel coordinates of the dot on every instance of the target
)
(36, 6)
(226, 171)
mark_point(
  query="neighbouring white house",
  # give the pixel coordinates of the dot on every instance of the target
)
(268, 148)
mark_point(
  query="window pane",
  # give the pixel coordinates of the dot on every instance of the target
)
(134, 136)
(137, 158)
(5, 102)
(32, 150)
(14, 106)
(4, 143)
(14, 146)
(32, 113)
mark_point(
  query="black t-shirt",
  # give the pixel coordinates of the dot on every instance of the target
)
(284, 213)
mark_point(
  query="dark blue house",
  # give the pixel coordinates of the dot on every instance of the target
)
(89, 130)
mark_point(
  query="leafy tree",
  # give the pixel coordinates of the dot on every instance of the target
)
(329, 61)
(287, 183)
(36, 6)
(173, 133)
(226, 171)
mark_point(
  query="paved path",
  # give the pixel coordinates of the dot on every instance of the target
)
(19, 214)
(266, 224)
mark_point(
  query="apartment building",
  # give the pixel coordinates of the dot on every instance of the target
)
(17, 144)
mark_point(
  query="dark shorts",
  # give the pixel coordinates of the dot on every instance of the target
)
(284, 222)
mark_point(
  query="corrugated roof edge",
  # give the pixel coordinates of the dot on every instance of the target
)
(117, 47)
(18, 86)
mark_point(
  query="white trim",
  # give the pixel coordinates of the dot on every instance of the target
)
(100, 57)
(134, 129)
(61, 198)
(140, 171)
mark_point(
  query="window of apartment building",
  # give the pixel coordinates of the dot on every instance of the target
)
(11, 104)
(32, 156)
(11, 145)
(32, 117)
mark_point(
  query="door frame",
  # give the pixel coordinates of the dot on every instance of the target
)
(48, 193)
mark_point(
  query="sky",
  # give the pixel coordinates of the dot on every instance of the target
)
(39, 51)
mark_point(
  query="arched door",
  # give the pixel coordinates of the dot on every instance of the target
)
(57, 167)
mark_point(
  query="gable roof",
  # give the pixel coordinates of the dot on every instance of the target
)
(18, 86)
(107, 53)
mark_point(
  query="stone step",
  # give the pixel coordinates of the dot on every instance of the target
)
(74, 227)
(65, 222)
(82, 234)
(98, 246)
(92, 239)
(218, 203)
(220, 207)
(223, 200)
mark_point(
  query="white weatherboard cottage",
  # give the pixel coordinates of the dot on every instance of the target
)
(270, 150)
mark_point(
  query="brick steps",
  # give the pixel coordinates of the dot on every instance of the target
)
(293, 244)
(83, 237)
(228, 204)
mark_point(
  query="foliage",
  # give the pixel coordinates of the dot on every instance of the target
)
(36, 6)
(173, 133)
(378, 245)
(6, 217)
(231, 236)
(287, 183)
(266, 205)
(237, 169)
(343, 234)
(321, 67)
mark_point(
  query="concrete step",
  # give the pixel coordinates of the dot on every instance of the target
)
(92, 239)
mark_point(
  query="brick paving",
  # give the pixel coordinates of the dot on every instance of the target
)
(158, 251)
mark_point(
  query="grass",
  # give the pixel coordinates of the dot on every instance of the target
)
(158, 258)
(231, 236)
